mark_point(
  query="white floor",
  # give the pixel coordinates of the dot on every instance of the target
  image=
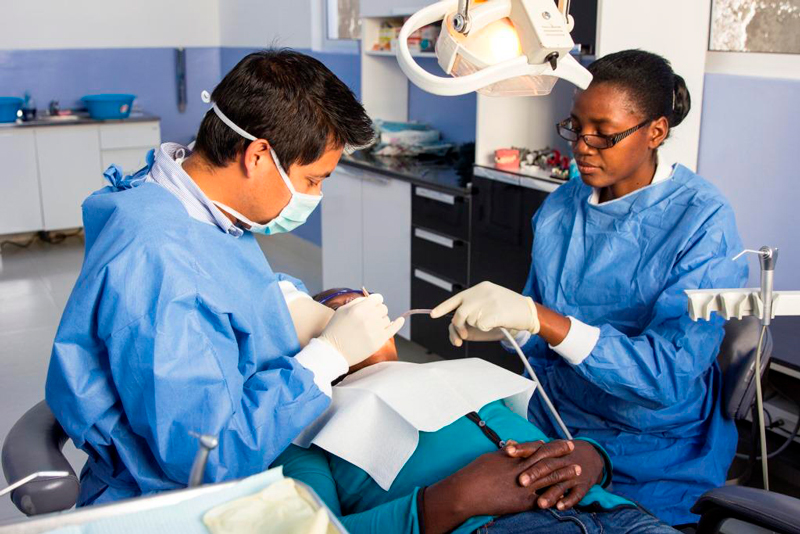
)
(35, 284)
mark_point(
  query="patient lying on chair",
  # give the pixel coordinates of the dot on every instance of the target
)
(446, 447)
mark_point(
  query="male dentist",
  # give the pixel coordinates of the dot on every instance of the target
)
(177, 325)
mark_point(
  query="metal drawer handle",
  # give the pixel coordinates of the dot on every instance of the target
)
(430, 194)
(433, 280)
(434, 238)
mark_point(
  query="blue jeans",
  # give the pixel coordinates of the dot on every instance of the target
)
(622, 521)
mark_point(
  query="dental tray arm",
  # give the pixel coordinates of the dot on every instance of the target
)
(737, 303)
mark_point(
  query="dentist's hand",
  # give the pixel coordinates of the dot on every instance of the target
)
(488, 306)
(359, 328)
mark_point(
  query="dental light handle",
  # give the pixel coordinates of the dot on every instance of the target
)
(461, 21)
(539, 387)
(568, 68)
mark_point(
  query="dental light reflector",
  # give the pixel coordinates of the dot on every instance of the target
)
(504, 48)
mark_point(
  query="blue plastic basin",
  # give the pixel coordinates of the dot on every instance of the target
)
(9, 106)
(109, 106)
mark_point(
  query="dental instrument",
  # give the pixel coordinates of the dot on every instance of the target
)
(496, 47)
(763, 303)
(525, 363)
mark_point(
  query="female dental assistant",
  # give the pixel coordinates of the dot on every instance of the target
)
(603, 315)
(177, 325)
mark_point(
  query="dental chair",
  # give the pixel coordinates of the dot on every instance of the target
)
(34, 444)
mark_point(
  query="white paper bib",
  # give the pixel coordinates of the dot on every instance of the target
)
(376, 414)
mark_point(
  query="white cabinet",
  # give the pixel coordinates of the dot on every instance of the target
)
(48, 171)
(69, 171)
(387, 242)
(342, 230)
(126, 145)
(366, 236)
(20, 207)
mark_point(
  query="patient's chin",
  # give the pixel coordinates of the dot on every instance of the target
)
(387, 353)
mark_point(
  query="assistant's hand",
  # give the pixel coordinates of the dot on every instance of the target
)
(488, 306)
(472, 334)
(360, 328)
(568, 468)
(487, 486)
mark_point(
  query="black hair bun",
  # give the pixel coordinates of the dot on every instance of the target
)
(682, 102)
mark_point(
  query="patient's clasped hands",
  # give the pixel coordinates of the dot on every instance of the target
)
(518, 478)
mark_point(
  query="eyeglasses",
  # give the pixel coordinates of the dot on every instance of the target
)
(598, 141)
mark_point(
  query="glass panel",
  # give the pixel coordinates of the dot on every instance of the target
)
(755, 26)
(343, 19)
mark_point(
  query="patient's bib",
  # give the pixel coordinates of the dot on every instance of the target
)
(376, 414)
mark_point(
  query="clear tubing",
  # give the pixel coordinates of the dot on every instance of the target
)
(539, 388)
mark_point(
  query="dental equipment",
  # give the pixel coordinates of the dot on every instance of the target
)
(33, 476)
(763, 303)
(206, 445)
(535, 378)
(418, 311)
(496, 47)
(525, 363)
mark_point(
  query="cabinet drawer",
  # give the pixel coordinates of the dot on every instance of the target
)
(130, 135)
(440, 254)
(441, 212)
(427, 291)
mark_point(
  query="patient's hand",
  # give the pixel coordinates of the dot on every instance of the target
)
(568, 469)
(487, 486)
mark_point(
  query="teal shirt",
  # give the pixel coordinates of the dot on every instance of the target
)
(363, 506)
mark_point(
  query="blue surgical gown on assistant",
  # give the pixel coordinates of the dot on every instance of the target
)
(650, 390)
(174, 326)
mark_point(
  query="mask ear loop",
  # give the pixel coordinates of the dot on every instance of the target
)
(206, 97)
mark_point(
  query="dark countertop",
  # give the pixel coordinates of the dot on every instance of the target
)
(82, 119)
(441, 174)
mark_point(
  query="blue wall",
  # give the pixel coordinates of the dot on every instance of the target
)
(749, 149)
(454, 116)
(68, 74)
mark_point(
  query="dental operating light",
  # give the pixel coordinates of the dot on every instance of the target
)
(496, 47)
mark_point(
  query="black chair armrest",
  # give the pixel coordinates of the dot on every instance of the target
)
(34, 444)
(769, 510)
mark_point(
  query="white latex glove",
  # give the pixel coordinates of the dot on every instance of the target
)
(359, 328)
(472, 334)
(488, 306)
(309, 317)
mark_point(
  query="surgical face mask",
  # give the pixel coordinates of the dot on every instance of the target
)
(294, 214)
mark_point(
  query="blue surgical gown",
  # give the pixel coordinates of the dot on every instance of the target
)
(650, 390)
(173, 327)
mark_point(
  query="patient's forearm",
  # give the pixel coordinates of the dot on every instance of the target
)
(309, 317)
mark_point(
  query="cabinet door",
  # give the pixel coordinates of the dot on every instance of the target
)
(20, 206)
(69, 163)
(387, 243)
(342, 234)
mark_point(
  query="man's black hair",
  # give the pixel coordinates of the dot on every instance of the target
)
(649, 80)
(293, 101)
